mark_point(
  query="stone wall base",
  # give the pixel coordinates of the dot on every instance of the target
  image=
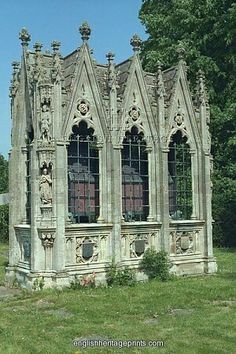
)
(187, 265)
(190, 265)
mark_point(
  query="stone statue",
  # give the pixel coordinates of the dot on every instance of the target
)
(45, 186)
(45, 123)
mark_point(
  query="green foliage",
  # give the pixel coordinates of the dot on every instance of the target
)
(86, 281)
(38, 284)
(4, 211)
(155, 264)
(120, 277)
(3, 208)
(206, 29)
(3, 175)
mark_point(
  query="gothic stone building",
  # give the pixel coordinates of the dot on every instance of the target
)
(106, 161)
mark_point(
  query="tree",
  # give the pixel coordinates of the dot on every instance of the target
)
(3, 208)
(207, 31)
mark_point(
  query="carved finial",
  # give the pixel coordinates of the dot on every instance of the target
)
(202, 95)
(55, 46)
(159, 65)
(24, 36)
(112, 76)
(200, 75)
(160, 84)
(85, 31)
(14, 84)
(15, 66)
(181, 52)
(136, 43)
(37, 47)
(110, 57)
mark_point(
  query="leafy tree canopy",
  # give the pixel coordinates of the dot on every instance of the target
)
(207, 31)
(3, 175)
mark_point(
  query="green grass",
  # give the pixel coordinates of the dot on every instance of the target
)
(191, 315)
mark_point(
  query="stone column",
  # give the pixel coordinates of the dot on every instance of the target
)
(164, 187)
(60, 172)
(37, 252)
(102, 183)
(195, 191)
(116, 202)
(151, 184)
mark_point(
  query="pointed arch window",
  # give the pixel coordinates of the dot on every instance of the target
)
(180, 178)
(135, 192)
(83, 175)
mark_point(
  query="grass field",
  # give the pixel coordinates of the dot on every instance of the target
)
(191, 315)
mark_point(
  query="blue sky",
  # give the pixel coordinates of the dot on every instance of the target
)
(113, 22)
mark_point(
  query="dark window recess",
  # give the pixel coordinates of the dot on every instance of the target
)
(28, 187)
(180, 179)
(139, 247)
(83, 175)
(87, 250)
(135, 193)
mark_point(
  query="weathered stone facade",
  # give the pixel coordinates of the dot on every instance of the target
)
(57, 232)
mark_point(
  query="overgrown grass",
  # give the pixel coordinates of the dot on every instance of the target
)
(191, 315)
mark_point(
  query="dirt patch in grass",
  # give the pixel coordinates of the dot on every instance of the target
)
(8, 292)
(224, 302)
(60, 313)
(180, 312)
(42, 303)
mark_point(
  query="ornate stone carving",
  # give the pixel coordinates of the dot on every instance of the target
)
(83, 107)
(160, 83)
(92, 242)
(37, 47)
(112, 75)
(45, 123)
(45, 93)
(91, 248)
(134, 118)
(201, 92)
(24, 36)
(85, 31)
(56, 46)
(180, 52)
(136, 42)
(56, 64)
(178, 123)
(135, 244)
(46, 155)
(48, 239)
(134, 113)
(14, 81)
(46, 211)
(45, 187)
(183, 242)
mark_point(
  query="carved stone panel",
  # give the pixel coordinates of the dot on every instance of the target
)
(183, 242)
(90, 248)
(135, 244)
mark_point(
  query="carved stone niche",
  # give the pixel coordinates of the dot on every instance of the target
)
(183, 242)
(87, 249)
(45, 191)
